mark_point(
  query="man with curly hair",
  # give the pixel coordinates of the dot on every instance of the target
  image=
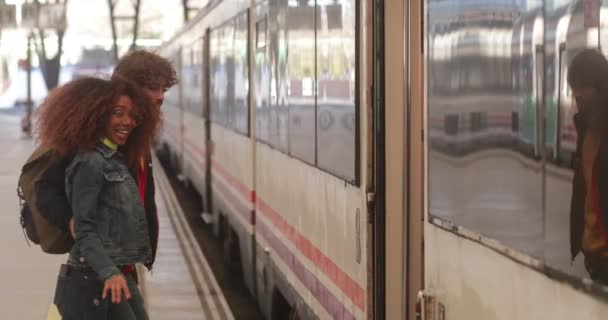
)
(151, 72)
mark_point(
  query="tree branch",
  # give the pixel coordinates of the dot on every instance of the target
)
(111, 5)
(136, 7)
(51, 68)
(40, 31)
(186, 10)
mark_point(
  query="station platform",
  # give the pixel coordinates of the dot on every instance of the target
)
(180, 286)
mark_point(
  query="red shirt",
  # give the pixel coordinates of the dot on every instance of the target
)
(142, 177)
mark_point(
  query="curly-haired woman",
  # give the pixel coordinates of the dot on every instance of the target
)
(109, 128)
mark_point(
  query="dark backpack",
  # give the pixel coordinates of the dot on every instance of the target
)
(35, 222)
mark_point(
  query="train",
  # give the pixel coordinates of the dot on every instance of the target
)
(387, 159)
(264, 124)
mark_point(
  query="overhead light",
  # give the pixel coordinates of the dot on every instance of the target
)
(15, 2)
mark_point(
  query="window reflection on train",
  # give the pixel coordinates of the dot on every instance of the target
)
(229, 74)
(501, 133)
(305, 68)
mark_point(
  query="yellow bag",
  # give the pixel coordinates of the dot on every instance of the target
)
(53, 313)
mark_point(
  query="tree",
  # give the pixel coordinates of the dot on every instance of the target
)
(50, 67)
(186, 10)
(189, 8)
(114, 18)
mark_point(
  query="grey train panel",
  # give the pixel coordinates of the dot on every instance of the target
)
(301, 85)
(277, 58)
(301, 75)
(241, 74)
(227, 62)
(217, 77)
(336, 71)
(500, 127)
(192, 78)
(261, 73)
(305, 82)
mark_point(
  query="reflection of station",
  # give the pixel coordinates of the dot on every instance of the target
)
(501, 142)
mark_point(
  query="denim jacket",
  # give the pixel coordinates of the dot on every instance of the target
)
(109, 217)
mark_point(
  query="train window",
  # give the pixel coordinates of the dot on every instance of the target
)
(229, 74)
(301, 76)
(241, 75)
(217, 76)
(335, 73)
(202, 68)
(305, 75)
(186, 77)
(278, 106)
(477, 121)
(500, 119)
(261, 77)
(190, 75)
(451, 124)
(260, 34)
(197, 79)
(514, 121)
(335, 14)
(172, 96)
(228, 69)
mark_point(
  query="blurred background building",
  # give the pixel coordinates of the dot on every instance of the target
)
(85, 30)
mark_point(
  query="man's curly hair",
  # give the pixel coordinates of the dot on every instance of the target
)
(74, 117)
(146, 69)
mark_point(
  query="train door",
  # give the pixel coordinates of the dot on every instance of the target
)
(484, 131)
(413, 192)
(398, 158)
(499, 131)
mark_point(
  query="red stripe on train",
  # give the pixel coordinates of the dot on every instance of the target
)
(346, 284)
(342, 280)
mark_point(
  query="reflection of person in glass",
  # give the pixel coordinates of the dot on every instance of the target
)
(588, 79)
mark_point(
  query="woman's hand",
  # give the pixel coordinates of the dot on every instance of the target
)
(72, 228)
(116, 285)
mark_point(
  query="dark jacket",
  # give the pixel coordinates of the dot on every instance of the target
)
(51, 196)
(151, 213)
(579, 192)
(109, 216)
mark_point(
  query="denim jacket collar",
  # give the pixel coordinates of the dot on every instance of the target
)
(105, 151)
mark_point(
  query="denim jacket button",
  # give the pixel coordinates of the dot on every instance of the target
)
(81, 259)
(96, 302)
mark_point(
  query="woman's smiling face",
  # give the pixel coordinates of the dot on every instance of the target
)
(121, 121)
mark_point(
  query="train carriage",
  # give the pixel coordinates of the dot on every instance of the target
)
(266, 129)
(387, 159)
(497, 239)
